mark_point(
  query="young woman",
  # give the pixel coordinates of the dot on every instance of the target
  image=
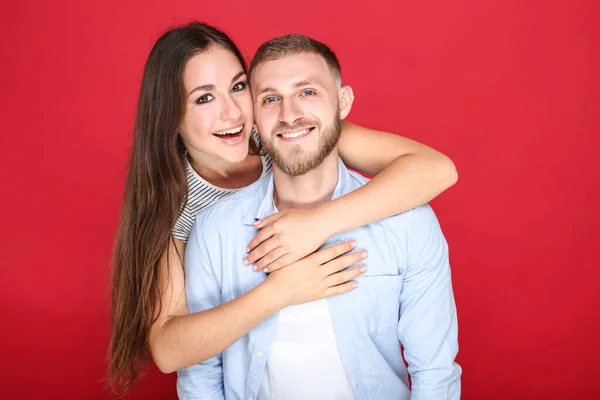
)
(194, 144)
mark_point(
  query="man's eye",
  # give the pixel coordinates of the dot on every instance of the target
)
(269, 100)
(204, 98)
(238, 87)
(308, 92)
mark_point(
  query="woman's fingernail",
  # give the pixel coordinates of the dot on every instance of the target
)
(265, 270)
(247, 249)
(254, 268)
(354, 285)
(245, 262)
(364, 254)
(353, 244)
(363, 268)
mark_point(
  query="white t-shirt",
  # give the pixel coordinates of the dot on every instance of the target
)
(304, 361)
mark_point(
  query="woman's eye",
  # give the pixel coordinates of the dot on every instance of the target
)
(239, 86)
(269, 100)
(204, 98)
(308, 92)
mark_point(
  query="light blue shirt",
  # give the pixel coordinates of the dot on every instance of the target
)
(405, 298)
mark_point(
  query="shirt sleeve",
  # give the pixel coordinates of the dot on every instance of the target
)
(428, 326)
(204, 380)
(182, 227)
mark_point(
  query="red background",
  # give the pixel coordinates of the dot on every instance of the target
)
(508, 89)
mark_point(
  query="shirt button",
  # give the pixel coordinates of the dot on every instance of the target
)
(260, 354)
(249, 398)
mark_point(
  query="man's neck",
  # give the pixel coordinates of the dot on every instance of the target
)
(309, 190)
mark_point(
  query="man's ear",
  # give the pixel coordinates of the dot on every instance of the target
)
(346, 98)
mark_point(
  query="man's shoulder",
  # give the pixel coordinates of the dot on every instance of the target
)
(356, 180)
(412, 226)
(423, 214)
(420, 214)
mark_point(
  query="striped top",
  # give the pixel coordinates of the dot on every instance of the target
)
(203, 194)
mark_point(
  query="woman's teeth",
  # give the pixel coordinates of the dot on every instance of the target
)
(229, 132)
(295, 134)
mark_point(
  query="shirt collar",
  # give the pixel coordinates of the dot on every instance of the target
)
(266, 206)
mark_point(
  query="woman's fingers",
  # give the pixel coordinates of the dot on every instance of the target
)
(325, 255)
(342, 262)
(339, 289)
(273, 256)
(279, 263)
(266, 245)
(344, 276)
(269, 220)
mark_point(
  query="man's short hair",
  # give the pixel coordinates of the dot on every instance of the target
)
(291, 44)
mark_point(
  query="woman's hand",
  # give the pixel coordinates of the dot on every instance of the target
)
(322, 274)
(286, 237)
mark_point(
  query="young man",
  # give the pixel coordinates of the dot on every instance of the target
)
(345, 347)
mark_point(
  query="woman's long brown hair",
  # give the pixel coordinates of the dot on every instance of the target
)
(155, 192)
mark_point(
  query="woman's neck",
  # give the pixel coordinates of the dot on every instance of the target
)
(231, 175)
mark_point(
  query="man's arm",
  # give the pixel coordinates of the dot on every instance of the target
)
(203, 292)
(428, 326)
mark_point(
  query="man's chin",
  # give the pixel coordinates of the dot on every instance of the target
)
(295, 166)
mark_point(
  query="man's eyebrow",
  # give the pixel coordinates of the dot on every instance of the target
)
(296, 85)
(264, 90)
(212, 87)
(303, 83)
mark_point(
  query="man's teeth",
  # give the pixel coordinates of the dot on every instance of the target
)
(295, 134)
(230, 132)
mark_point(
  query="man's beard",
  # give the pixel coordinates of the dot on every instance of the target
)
(298, 162)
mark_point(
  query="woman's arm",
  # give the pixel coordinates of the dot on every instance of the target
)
(179, 339)
(408, 174)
